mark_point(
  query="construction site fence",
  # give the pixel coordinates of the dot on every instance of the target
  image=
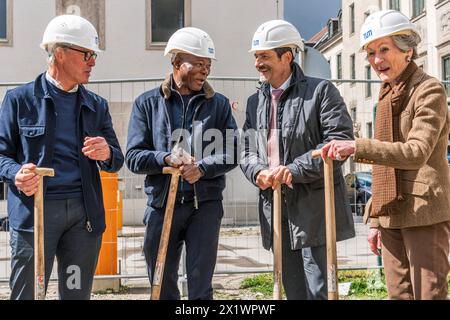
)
(240, 245)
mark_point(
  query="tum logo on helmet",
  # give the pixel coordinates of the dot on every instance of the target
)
(367, 34)
(256, 42)
(211, 50)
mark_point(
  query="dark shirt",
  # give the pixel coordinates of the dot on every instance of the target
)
(67, 180)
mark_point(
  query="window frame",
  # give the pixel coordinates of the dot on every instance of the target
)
(415, 3)
(368, 75)
(369, 130)
(8, 41)
(353, 67)
(339, 66)
(352, 18)
(149, 45)
(396, 6)
(446, 86)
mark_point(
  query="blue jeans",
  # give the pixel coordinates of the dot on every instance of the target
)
(199, 229)
(65, 237)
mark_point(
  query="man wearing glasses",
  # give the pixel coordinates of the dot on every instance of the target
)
(56, 122)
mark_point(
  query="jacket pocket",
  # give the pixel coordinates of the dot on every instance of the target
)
(33, 142)
(416, 188)
(31, 131)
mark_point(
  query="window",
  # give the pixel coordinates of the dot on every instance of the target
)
(353, 114)
(340, 20)
(163, 18)
(418, 7)
(339, 66)
(352, 18)
(352, 67)
(446, 73)
(5, 22)
(369, 130)
(394, 5)
(3, 16)
(368, 84)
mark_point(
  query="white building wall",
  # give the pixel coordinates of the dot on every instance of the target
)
(230, 23)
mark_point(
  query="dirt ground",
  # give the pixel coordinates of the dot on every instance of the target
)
(226, 287)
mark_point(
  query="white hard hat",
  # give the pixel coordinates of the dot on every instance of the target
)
(276, 34)
(385, 23)
(193, 41)
(71, 29)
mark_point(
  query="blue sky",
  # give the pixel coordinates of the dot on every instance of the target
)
(310, 16)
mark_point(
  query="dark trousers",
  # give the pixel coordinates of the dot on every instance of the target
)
(65, 237)
(304, 270)
(199, 230)
(416, 261)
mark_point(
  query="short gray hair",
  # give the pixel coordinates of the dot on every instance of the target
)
(51, 49)
(407, 41)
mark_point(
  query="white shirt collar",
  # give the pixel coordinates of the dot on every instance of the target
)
(57, 84)
(285, 85)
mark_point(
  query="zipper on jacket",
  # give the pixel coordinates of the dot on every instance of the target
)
(185, 109)
(193, 152)
(183, 121)
(80, 130)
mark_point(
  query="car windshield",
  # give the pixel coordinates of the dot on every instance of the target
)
(365, 180)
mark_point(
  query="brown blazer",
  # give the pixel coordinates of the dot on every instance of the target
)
(421, 154)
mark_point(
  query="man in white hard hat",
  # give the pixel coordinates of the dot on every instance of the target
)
(56, 122)
(182, 115)
(291, 115)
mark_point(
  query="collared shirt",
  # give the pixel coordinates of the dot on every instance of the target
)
(55, 82)
(284, 86)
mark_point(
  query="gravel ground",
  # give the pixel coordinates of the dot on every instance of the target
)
(226, 287)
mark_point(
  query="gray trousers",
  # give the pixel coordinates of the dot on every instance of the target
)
(304, 270)
(65, 237)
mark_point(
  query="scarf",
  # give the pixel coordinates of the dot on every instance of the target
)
(386, 181)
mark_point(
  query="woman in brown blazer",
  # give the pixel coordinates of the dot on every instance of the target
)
(410, 204)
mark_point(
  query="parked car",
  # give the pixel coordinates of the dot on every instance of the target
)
(359, 190)
(4, 224)
(448, 149)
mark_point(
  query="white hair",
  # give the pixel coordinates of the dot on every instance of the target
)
(407, 41)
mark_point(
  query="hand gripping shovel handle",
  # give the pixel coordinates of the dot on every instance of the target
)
(330, 225)
(277, 257)
(39, 258)
(162, 250)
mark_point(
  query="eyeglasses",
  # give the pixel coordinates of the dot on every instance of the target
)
(88, 55)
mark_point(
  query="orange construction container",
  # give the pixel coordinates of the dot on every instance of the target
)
(120, 204)
(107, 262)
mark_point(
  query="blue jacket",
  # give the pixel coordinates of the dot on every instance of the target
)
(150, 140)
(27, 135)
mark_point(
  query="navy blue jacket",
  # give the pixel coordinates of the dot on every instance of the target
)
(150, 140)
(27, 135)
